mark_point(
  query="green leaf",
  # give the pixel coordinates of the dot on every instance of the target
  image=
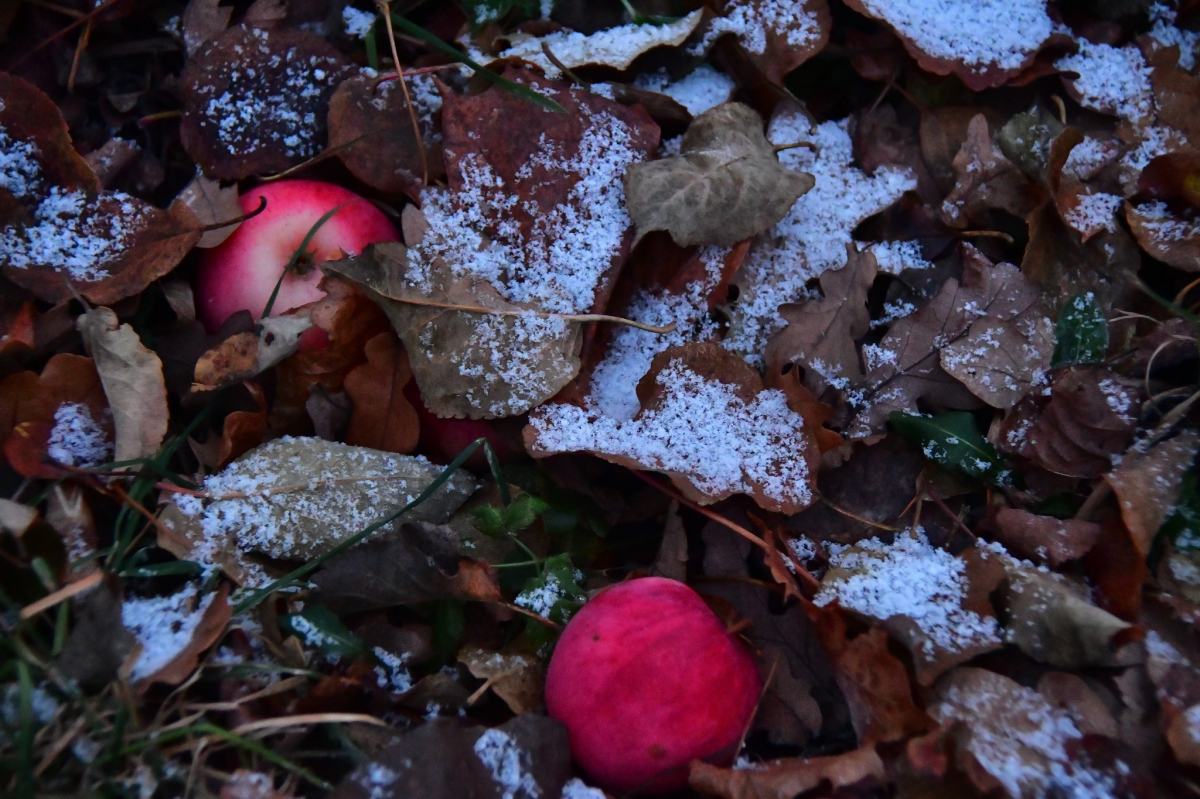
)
(523, 512)
(524, 92)
(555, 595)
(952, 440)
(1081, 332)
(489, 520)
(318, 627)
(1182, 527)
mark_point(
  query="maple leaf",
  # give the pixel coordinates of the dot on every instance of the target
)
(726, 185)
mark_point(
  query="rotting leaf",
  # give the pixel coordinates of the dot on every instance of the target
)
(382, 418)
(789, 777)
(725, 185)
(697, 400)
(296, 498)
(953, 440)
(1147, 484)
(132, 377)
(417, 562)
(821, 334)
(255, 101)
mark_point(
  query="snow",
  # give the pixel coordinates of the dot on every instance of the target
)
(358, 23)
(1153, 142)
(977, 33)
(575, 788)
(700, 428)
(752, 21)
(1165, 34)
(163, 626)
(542, 599)
(77, 439)
(75, 234)
(392, 675)
(913, 579)
(508, 763)
(812, 237)
(1112, 80)
(1088, 157)
(698, 91)
(1095, 212)
(1165, 226)
(616, 47)
(893, 257)
(1021, 739)
(20, 172)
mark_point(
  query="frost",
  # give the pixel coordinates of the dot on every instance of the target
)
(392, 675)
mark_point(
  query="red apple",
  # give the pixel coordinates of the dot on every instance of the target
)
(241, 272)
(647, 679)
(442, 439)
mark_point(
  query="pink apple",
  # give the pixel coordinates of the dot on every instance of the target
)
(442, 439)
(241, 272)
(647, 679)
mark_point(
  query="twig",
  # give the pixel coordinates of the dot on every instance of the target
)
(563, 67)
(84, 38)
(855, 516)
(283, 722)
(66, 592)
(570, 317)
(946, 510)
(385, 7)
(526, 612)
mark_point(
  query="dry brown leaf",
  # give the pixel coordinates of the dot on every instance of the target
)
(246, 355)
(255, 101)
(242, 431)
(133, 382)
(201, 21)
(785, 779)
(111, 158)
(382, 418)
(775, 39)
(1184, 736)
(821, 335)
(876, 686)
(207, 631)
(985, 179)
(673, 551)
(15, 518)
(516, 677)
(1073, 695)
(1044, 538)
(1147, 484)
(370, 129)
(210, 204)
(725, 186)
(1002, 360)
(697, 401)
(1170, 237)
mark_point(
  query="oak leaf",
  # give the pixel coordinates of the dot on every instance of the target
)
(726, 185)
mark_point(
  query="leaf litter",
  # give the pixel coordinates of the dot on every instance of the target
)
(905, 366)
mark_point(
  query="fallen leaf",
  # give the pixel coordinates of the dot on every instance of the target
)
(876, 686)
(616, 47)
(111, 158)
(297, 498)
(1147, 484)
(242, 431)
(211, 626)
(211, 203)
(710, 400)
(132, 377)
(255, 101)
(821, 334)
(1044, 538)
(726, 185)
(443, 759)
(246, 355)
(784, 779)
(15, 518)
(98, 643)
(985, 179)
(1073, 695)
(201, 21)
(672, 558)
(1184, 736)
(1172, 238)
(775, 38)
(517, 678)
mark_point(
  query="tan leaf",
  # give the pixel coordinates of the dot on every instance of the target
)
(1000, 360)
(382, 417)
(477, 365)
(787, 778)
(726, 185)
(1044, 538)
(821, 334)
(207, 631)
(1147, 484)
(246, 355)
(517, 678)
(210, 203)
(673, 551)
(697, 400)
(876, 686)
(15, 518)
(614, 47)
(132, 377)
(1072, 694)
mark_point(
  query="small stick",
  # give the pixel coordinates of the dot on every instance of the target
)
(66, 592)
(570, 317)
(385, 8)
(303, 719)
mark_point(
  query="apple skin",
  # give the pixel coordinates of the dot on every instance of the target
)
(442, 439)
(241, 272)
(647, 679)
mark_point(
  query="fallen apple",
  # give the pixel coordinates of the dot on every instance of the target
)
(442, 439)
(647, 679)
(241, 272)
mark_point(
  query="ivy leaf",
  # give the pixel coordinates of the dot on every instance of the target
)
(499, 522)
(318, 627)
(554, 594)
(1081, 332)
(953, 441)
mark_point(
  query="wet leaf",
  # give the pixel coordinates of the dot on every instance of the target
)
(726, 185)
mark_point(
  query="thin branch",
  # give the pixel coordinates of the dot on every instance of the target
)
(569, 317)
(385, 7)
(66, 592)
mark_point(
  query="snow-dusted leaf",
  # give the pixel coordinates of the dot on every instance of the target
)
(174, 632)
(371, 131)
(132, 377)
(1001, 360)
(1044, 538)
(775, 35)
(706, 421)
(37, 146)
(813, 235)
(255, 101)
(1014, 740)
(983, 43)
(725, 185)
(908, 364)
(1147, 484)
(615, 47)
(953, 441)
(821, 335)
(700, 90)
(931, 601)
(1081, 332)
(466, 362)
(516, 677)
(984, 179)
(296, 498)
(789, 777)
(1170, 237)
